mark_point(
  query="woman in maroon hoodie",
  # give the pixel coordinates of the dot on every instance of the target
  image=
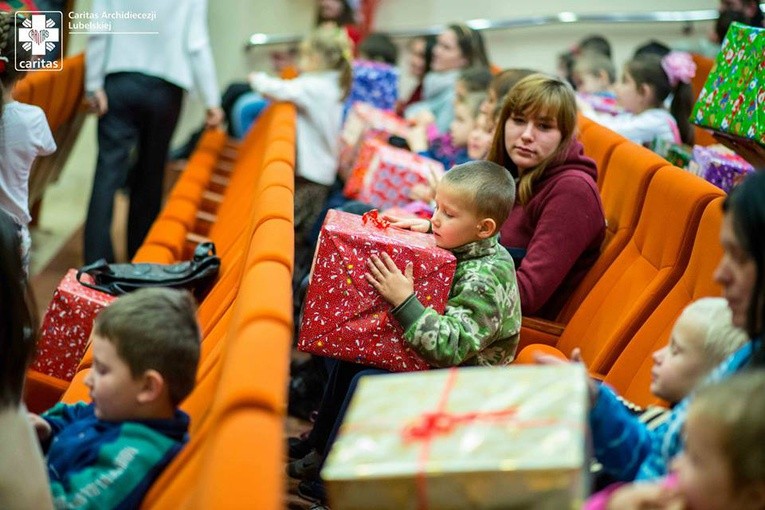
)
(557, 225)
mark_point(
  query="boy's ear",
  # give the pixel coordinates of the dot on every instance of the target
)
(152, 388)
(486, 228)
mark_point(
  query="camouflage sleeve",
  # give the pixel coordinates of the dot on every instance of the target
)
(473, 318)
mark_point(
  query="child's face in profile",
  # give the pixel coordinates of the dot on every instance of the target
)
(629, 96)
(679, 366)
(590, 82)
(462, 125)
(480, 138)
(488, 105)
(703, 470)
(113, 388)
(454, 221)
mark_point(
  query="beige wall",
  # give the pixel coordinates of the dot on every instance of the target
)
(232, 21)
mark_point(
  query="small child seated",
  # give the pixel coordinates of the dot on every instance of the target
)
(482, 319)
(594, 76)
(702, 338)
(723, 464)
(106, 454)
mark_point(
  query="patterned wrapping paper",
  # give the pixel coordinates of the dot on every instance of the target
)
(724, 170)
(391, 174)
(374, 83)
(477, 437)
(679, 155)
(364, 122)
(733, 98)
(355, 180)
(344, 317)
(67, 325)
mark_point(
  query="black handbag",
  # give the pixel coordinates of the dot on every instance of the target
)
(195, 275)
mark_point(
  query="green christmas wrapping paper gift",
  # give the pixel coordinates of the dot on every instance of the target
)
(477, 437)
(733, 98)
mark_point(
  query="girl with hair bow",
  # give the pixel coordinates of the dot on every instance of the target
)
(646, 82)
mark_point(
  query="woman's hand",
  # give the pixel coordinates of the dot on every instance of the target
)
(98, 102)
(42, 427)
(214, 117)
(413, 224)
(393, 285)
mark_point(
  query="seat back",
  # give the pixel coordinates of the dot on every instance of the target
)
(629, 171)
(631, 372)
(649, 265)
(599, 143)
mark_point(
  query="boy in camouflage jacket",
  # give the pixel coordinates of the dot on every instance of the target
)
(482, 319)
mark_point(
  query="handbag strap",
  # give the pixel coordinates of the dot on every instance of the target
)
(99, 266)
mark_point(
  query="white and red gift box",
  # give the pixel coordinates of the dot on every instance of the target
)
(365, 122)
(67, 325)
(392, 173)
(344, 317)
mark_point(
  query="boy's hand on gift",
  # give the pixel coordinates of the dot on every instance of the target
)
(413, 224)
(42, 427)
(393, 285)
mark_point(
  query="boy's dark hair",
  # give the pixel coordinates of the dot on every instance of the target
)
(18, 323)
(9, 50)
(491, 187)
(652, 47)
(379, 47)
(594, 44)
(155, 329)
(594, 63)
(476, 79)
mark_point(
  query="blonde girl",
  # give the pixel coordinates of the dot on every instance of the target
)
(646, 83)
(24, 135)
(318, 94)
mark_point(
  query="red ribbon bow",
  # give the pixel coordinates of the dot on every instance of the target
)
(373, 217)
(440, 422)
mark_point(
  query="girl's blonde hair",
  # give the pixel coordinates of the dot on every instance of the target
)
(736, 408)
(334, 46)
(10, 54)
(535, 95)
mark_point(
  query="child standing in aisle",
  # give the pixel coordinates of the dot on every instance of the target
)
(646, 82)
(318, 93)
(24, 135)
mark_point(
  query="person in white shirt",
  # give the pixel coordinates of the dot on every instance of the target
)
(24, 135)
(646, 83)
(325, 79)
(136, 75)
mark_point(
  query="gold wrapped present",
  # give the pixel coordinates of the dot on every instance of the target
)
(478, 437)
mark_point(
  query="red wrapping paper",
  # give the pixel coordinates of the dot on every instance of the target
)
(67, 325)
(344, 316)
(391, 174)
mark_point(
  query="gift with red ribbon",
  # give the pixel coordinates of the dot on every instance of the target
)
(66, 326)
(473, 437)
(365, 122)
(391, 173)
(344, 317)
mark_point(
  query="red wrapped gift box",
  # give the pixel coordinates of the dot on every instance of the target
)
(66, 326)
(391, 174)
(344, 316)
(356, 178)
(365, 122)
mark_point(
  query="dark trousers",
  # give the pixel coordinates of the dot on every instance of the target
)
(133, 139)
(343, 378)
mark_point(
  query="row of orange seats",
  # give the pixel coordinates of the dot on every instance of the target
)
(234, 458)
(659, 254)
